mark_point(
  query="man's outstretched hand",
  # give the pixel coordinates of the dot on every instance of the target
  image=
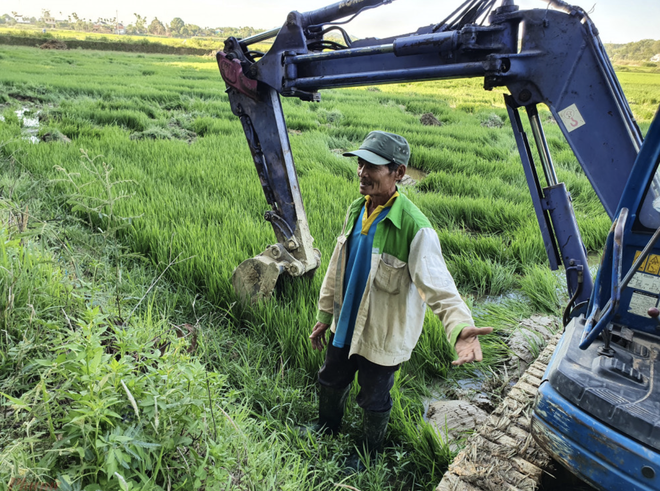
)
(467, 345)
(318, 336)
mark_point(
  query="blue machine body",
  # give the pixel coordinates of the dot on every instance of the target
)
(598, 407)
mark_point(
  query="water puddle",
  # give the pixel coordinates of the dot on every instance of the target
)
(29, 123)
(470, 389)
(416, 174)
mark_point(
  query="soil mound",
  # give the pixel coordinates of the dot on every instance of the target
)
(55, 136)
(428, 119)
(54, 44)
(528, 340)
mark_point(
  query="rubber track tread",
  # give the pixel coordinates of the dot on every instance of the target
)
(502, 455)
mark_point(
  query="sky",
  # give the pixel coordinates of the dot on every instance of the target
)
(619, 21)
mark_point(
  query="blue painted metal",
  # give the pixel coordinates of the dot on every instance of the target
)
(560, 62)
(643, 172)
(533, 183)
(567, 70)
(636, 236)
(554, 214)
(596, 411)
(464, 70)
(335, 55)
(339, 10)
(412, 53)
(596, 453)
(573, 253)
(613, 248)
(439, 42)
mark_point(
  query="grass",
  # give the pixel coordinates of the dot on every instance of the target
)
(129, 250)
(114, 378)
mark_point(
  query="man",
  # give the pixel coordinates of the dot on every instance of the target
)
(386, 266)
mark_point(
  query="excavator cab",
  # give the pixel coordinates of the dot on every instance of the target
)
(598, 408)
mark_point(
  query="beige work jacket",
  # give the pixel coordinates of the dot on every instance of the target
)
(407, 273)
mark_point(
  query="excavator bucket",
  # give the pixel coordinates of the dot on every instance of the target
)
(254, 279)
(260, 111)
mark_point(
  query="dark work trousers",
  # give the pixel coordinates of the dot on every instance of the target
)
(375, 381)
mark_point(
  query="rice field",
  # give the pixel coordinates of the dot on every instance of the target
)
(165, 171)
(63, 34)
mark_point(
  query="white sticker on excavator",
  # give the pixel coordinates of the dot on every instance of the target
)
(646, 282)
(571, 118)
(640, 304)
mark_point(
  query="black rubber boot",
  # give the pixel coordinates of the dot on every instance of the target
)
(374, 428)
(331, 411)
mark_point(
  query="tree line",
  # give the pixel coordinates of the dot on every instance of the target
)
(140, 25)
(642, 50)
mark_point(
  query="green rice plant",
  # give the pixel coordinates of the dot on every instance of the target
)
(29, 288)
(430, 451)
(481, 276)
(329, 117)
(504, 311)
(592, 231)
(9, 117)
(112, 405)
(458, 242)
(210, 126)
(540, 285)
(131, 120)
(528, 248)
(96, 194)
(433, 355)
(477, 215)
(462, 184)
(201, 206)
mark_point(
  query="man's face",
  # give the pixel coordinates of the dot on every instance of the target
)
(376, 180)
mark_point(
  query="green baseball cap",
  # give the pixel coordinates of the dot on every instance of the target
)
(382, 148)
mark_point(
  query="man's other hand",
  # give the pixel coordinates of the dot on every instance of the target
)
(318, 336)
(467, 344)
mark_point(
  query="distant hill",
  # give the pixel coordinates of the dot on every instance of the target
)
(639, 51)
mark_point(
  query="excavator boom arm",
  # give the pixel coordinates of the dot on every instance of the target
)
(542, 56)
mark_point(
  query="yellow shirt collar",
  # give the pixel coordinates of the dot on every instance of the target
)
(367, 221)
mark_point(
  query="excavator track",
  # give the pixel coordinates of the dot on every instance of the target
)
(501, 454)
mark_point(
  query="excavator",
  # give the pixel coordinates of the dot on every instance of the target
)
(597, 406)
